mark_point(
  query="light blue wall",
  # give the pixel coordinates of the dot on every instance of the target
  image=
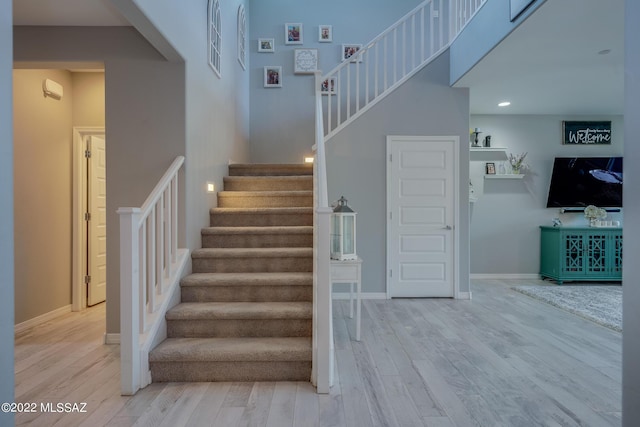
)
(505, 238)
(6, 211)
(282, 120)
(491, 24)
(356, 161)
(631, 273)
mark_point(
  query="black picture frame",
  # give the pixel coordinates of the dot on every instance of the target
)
(490, 168)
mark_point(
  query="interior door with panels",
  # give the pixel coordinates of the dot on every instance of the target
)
(421, 183)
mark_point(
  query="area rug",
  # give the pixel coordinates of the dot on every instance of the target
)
(600, 304)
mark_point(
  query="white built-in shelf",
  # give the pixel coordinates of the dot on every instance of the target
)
(504, 176)
(488, 149)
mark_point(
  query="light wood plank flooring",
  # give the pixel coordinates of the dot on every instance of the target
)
(502, 359)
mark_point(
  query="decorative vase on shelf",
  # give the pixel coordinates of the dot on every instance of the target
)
(593, 222)
(515, 170)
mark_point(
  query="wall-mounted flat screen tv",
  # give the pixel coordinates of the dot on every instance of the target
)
(577, 182)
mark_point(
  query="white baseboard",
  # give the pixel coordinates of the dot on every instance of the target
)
(111, 339)
(363, 295)
(496, 276)
(36, 321)
(464, 295)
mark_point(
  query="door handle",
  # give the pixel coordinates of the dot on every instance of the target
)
(447, 227)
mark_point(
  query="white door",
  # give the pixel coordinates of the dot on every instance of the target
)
(97, 221)
(421, 183)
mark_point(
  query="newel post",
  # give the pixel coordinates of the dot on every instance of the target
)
(129, 300)
(323, 294)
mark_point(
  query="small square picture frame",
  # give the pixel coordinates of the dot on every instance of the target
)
(325, 33)
(490, 168)
(305, 61)
(329, 86)
(293, 33)
(266, 45)
(348, 50)
(272, 76)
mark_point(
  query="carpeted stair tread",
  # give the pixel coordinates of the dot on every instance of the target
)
(262, 349)
(252, 253)
(252, 216)
(241, 199)
(240, 310)
(270, 169)
(292, 210)
(268, 183)
(248, 279)
(258, 230)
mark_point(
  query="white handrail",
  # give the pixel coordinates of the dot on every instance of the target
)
(348, 97)
(150, 265)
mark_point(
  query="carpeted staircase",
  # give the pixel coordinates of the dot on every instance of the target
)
(246, 310)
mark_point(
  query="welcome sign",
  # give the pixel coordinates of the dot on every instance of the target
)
(586, 132)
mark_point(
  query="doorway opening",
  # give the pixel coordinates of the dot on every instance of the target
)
(89, 217)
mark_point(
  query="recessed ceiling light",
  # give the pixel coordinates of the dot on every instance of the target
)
(604, 52)
(504, 104)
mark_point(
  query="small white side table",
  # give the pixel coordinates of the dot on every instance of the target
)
(349, 272)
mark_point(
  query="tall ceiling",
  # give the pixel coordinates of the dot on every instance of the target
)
(549, 65)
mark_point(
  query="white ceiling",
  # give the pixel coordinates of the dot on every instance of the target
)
(548, 65)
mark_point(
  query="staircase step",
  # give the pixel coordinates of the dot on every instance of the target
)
(268, 183)
(239, 217)
(251, 260)
(257, 237)
(239, 319)
(270, 169)
(266, 199)
(231, 359)
(207, 287)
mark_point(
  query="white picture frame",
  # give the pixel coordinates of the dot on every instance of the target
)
(272, 76)
(325, 33)
(329, 86)
(305, 61)
(348, 50)
(266, 45)
(293, 33)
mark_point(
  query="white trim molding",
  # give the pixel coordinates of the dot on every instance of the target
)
(43, 318)
(363, 295)
(499, 276)
(110, 339)
(464, 296)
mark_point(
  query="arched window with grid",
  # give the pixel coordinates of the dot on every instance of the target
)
(242, 37)
(215, 38)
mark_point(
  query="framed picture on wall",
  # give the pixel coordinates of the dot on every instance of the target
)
(293, 33)
(325, 33)
(305, 61)
(266, 45)
(348, 50)
(329, 86)
(491, 168)
(272, 76)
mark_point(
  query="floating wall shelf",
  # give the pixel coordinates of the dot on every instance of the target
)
(504, 176)
(487, 149)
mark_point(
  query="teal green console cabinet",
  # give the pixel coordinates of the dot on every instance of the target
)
(581, 253)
